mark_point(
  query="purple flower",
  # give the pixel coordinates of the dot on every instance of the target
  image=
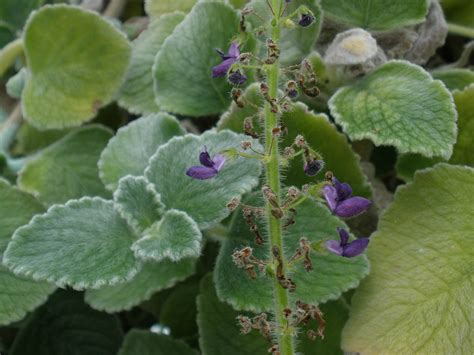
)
(306, 20)
(227, 60)
(210, 167)
(344, 248)
(340, 201)
(237, 77)
(312, 167)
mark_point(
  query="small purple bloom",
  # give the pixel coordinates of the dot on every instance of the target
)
(210, 167)
(306, 20)
(227, 60)
(340, 201)
(312, 167)
(344, 248)
(237, 77)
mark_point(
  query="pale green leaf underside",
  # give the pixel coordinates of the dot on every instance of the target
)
(317, 130)
(83, 244)
(456, 78)
(203, 200)
(331, 276)
(182, 69)
(156, 8)
(176, 236)
(137, 93)
(66, 325)
(418, 297)
(74, 71)
(152, 278)
(137, 201)
(68, 168)
(142, 342)
(398, 104)
(376, 15)
(219, 332)
(128, 152)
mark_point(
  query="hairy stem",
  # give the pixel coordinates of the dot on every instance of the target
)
(115, 8)
(9, 53)
(461, 30)
(285, 338)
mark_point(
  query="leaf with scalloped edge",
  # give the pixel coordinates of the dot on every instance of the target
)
(376, 15)
(83, 244)
(152, 278)
(128, 152)
(455, 78)
(418, 296)
(183, 66)
(137, 94)
(331, 276)
(66, 325)
(68, 168)
(176, 236)
(72, 72)
(398, 104)
(156, 8)
(142, 342)
(137, 201)
(203, 200)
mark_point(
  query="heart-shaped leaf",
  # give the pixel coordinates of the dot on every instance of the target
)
(147, 343)
(418, 297)
(83, 244)
(128, 152)
(74, 71)
(398, 104)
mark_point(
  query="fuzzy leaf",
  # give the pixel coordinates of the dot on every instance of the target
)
(331, 276)
(147, 343)
(376, 15)
(218, 329)
(182, 69)
(68, 168)
(156, 8)
(175, 236)
(65, 325)
(13, 13)
(418, 297)
(138, 203)
(74, 71)
(152, 278)
(30, 139)
(455, 79)
(137, 94)
(16, 84)
(128, 152)
(204, 201)
(83, 244)
(398, 104)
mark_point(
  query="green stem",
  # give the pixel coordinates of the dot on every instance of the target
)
(285, 338)
(461, 30)
(9, 128)
(9, 53)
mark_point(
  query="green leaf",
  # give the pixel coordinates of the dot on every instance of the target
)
(137, 94)
(176, 236)
(398, 104)
(331, 276)
(83, 244)
(182, 69)
(218, 329)
(138, 203)
(455, 79)
(459, 11)
(65, 325)
(321, 134)
(14, 13)
(147, 343)
(16, 84)
(30, 139)
(295, 43)
(408, 164)
(68, 168)
(128, 152)
(156, 8)
(204, 201)
(152, 278)
(418, 297)
(376, 15)
(74, 71)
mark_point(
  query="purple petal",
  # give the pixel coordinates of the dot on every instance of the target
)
(221, 53)
(205, 159)
(356, 247)
(237, 78)
(330, 195)
(221, 69)
(343, 235)
(201, 172)
(352, 207)
(234, 51)
(334, 247)
(312, 167)
(344, 190)
(218, 162)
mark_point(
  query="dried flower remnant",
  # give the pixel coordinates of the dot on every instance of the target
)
(209, 167)
(341, 202)
(345, 248)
